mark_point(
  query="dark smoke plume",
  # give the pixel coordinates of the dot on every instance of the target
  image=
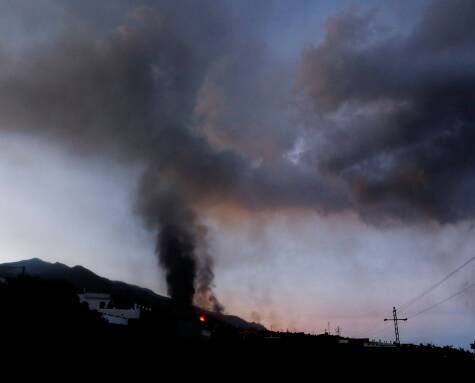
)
(130, 94)
(181, 246)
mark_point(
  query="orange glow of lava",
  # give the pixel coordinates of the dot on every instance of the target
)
(202, 318)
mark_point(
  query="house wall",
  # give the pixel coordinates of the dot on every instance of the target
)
(95, 301)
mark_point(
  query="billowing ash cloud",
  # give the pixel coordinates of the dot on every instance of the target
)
(137, 94)
(131, 94)
(210, 117)
(397, 111)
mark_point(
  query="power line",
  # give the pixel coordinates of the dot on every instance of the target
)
(378, 330)
(443, 301)
(371, 331)
(434, 286)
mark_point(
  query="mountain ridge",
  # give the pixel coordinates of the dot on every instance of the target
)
(124, 294)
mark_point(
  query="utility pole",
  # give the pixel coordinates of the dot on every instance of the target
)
(338, 330)
(395, 319)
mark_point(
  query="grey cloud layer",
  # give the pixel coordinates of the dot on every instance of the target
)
(400, 112)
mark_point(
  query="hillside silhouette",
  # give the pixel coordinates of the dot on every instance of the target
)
(124, 295)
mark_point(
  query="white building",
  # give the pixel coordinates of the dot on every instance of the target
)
(102, 303)
(120, 316)
(96, 301)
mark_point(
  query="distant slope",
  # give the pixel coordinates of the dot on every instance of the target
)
(124, 294)
(84, 279)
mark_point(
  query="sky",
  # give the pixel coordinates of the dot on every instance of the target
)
(310, 162)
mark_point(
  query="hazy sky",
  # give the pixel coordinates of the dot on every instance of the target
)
(339, 135)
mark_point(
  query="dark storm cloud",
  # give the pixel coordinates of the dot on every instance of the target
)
(134, 94)
(399, 112)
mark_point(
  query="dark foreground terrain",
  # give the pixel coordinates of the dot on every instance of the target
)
(39, 312)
